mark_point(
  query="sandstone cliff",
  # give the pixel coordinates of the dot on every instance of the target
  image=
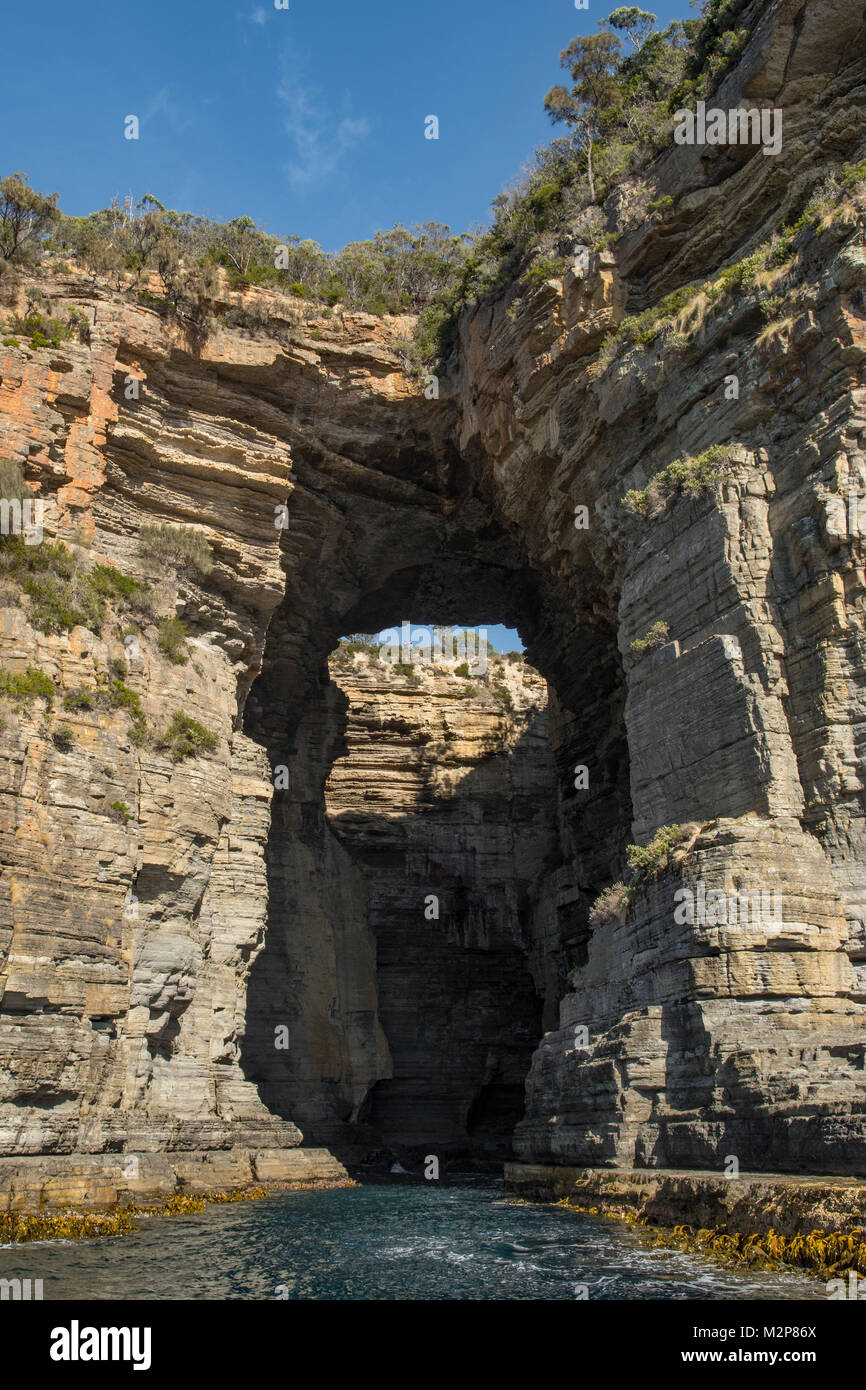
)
(401, 942)
(707, 1041)
(162, 915)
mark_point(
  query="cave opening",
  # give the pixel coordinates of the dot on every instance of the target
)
(430, 863)
(444, 797)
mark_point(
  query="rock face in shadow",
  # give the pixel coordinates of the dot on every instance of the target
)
(683, 1043)
(401, 948)
(163, 916)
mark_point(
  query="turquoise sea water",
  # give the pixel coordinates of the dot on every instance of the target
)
(384, 1242)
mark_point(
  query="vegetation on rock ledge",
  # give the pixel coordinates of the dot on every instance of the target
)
(691, 476)
(187, 738)
(178, 545)
(69, 1224)
(63, 591)
(653, 638)
(647, 862)
(827, 1253)
(626, 82)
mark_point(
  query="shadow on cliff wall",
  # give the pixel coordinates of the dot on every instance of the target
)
(399, 1035)
(406, 1033)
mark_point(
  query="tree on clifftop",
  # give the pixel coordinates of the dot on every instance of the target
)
(635, 23)
(593, 64)
(25, 215)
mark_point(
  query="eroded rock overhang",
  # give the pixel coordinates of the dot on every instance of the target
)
(124, 1032)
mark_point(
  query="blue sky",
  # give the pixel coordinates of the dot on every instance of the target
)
(310, 119)
(504, 639)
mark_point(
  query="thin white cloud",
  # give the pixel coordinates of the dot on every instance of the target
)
(162, 105)
(158, 104)
(259, 16)
(320, 140)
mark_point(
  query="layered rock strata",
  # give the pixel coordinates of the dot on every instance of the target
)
(160, 919)
(686, 1043)
(754, 1204)
(401, 949)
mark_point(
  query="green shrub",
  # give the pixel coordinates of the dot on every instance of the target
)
(172, 641)
(740, 278)
(119, 588)
(120, 812)
(771, 305)
(692, 476)
(187, 738)
(613, 904)
(405, 668)
(462, 670)
(646, 863)
(360, 642)
(77, 322)
(643, 329)
(139, 733)
(80, 700)
(852, 175)
(649, 860)
(470, 691)
(119, 696)
(178, 545)
(42, 332)
(59, 605)
(547, 268)
(111, 693)
(63, 593)
(18, 559)
(655, 637)
(64, 738)
(33, 684)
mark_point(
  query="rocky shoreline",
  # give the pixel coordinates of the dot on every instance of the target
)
(254, 898)
(765, 1220)
(18, 1228)
(105, 1182)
